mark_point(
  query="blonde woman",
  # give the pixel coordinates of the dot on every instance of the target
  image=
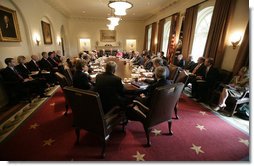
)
(235, 89)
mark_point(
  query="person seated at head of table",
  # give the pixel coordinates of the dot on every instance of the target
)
(145, 98)
(110, 88)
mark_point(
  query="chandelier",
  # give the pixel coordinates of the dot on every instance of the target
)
(114, 20)
(120, 7)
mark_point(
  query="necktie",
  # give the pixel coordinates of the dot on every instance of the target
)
(15, 71)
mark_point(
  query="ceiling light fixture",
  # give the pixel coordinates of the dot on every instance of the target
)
(114, 20)
(111, 27)
(120, 7)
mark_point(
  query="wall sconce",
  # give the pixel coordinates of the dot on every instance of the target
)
(235, 43)
(37, 42)
(58, 39)
(235, 39)
(59, 43)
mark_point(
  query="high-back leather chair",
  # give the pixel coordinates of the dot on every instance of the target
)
(163, 104)
(182, 77)
(63, 83)
(88, 114)
(68, 75)
(174, 71)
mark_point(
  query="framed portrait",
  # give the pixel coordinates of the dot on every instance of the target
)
(108, 36)
(46, 31)
(9, 27)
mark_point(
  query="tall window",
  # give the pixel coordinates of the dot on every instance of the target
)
(201, 32)
(149, 37)
(166, 32)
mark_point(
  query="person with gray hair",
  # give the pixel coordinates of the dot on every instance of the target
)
(159, 62)
(145, 98)
(110, 88)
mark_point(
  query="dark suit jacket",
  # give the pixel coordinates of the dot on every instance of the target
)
(190, 66)
(81, 80)
(11, 76)
(53, 62)
(139, 60)
(111, 90)
(45, 65)
(211, 76)
(201, 70)
(32, 66)
(23, 71)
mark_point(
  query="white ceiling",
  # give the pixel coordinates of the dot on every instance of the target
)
(141, 10)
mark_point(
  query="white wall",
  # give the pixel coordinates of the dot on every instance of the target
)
(238, 24)
(30, 13)
(90, 28)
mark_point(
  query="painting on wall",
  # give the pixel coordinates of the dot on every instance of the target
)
(46, 31)
(108, 36)
(9, 28)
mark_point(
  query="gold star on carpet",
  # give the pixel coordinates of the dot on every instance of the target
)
(48, 142)
(139, 157)
(202, 112)
(244, 141)
(200, 127)
(34, 126)
(52, 104)
(197, 149)
(156, 132)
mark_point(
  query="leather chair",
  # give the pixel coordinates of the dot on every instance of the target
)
(232, 102)
(163, 104)
(174, 71)
(88, 114)
(63, 83)
(69, 76)
(182, 77)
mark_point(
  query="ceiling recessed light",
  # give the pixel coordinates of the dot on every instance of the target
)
(83, 11)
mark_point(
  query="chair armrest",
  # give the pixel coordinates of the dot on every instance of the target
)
(140, 104)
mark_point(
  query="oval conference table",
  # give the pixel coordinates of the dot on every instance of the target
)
(125, 72)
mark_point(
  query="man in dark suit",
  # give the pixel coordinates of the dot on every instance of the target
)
(139, 60)
(190, 64)
(81, 78)
(110, 88)
(205, 85)
(137, 112)
(44, 63)
(33, 64)
(20, 84)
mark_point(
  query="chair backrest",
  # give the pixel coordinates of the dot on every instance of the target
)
(4, 98)
(182, 77)
(163, 103)
(87, 110)
(68, 75)
(174, 71)
(61, 79)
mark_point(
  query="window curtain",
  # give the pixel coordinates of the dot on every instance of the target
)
(215, 44)
(189, 30)
(160, 34)
(242, 58)
(146, 37)
(153, 44)
(172, 36)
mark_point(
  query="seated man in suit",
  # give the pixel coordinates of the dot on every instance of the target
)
(44, 63)
(203, 85)
(110, 88)
(190, 64)
(20, 84)
(139, 60)
(179, 61)
(145, 99)
(81, 78)
(33, 65)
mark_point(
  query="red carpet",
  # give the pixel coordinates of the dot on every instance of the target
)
(215, 141)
